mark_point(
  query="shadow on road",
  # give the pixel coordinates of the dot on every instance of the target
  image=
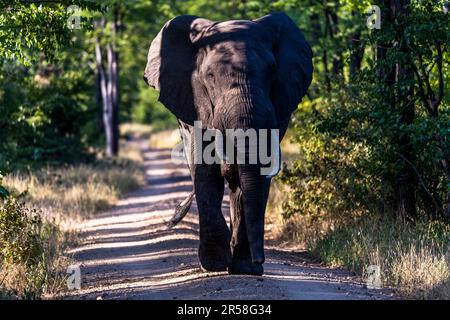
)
(128, 253)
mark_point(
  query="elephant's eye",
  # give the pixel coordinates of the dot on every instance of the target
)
(210, 76)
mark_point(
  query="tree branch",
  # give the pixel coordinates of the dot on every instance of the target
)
(422, 94)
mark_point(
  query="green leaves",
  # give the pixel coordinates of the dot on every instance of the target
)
(348, 134)
(3, 193)
(29, 29)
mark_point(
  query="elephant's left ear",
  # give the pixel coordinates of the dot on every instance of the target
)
(294, 63)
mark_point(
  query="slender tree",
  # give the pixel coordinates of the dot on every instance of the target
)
(108, 78)
(406, 178)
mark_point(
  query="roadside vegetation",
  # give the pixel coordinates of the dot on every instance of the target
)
(368, 183)
(76, 191)
(30, 248)
(40, 212)
(414, 258)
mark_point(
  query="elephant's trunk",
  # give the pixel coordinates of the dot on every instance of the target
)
(255, 190)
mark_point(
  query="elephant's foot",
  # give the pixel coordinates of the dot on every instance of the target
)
(213, 258)
(246, 266)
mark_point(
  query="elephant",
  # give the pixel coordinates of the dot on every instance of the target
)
(237, 74)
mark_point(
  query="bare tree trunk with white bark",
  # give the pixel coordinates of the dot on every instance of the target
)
(109, 86)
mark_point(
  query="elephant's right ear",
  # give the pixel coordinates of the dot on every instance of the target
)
(171, 62)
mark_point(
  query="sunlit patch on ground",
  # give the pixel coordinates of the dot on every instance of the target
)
(128, 252)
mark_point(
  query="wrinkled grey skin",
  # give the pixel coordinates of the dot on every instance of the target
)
(234, 74)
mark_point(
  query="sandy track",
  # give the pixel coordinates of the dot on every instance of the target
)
(127, 253)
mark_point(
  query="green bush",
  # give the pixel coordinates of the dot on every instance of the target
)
(48, 112)
(368, 141)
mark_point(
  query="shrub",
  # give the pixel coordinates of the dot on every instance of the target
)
(28, 251)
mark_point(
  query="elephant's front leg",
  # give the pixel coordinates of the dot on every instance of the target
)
(214, 250)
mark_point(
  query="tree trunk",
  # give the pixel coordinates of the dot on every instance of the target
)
(325, 55)
(109, 87)
(387, 76)
(406, 178)
(356, 55)
(338, 65)
(445, 163)
(331, 30)
(110, 112)
(104, 85)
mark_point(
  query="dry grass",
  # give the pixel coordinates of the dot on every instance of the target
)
(413, 259)
(78, 191)
(131, 152)
(420, 272)
(135, 130)
(62, 196)
(166, 139)
(30, 261)
(45, 279)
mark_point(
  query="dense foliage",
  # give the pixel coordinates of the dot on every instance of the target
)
(46, 86)
(50, 107)
(370, 140)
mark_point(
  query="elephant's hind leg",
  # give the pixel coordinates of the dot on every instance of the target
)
(214, 249)
(241, 256)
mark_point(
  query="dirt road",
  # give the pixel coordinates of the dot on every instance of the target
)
(127, 253)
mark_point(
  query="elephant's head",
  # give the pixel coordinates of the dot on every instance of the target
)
(234, 74)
